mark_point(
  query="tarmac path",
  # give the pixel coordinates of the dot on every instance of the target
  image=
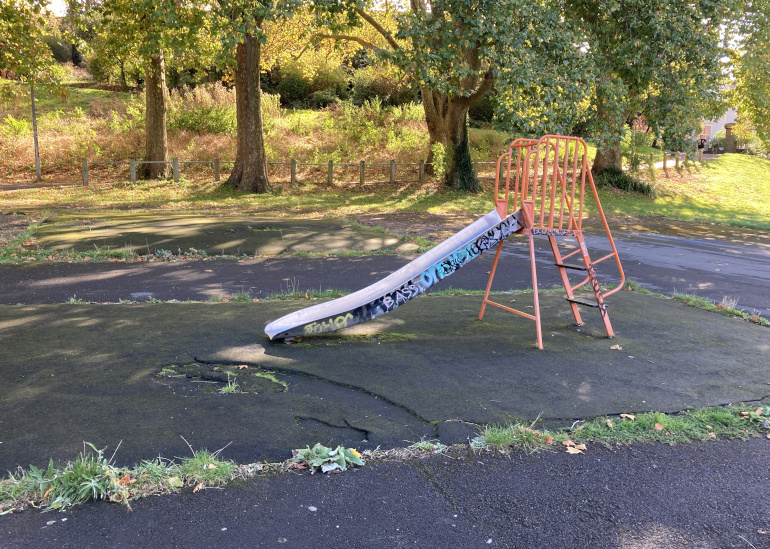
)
(62, 363)
(704, 263)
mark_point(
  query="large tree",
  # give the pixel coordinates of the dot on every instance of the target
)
(457, 50)
(239, 23)
(752, 60)
(657, 58)
(154, 29)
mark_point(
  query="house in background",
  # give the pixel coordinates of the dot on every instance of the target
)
(710, 127)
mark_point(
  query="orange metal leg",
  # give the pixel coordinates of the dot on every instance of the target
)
(491, 277)
(534, 291)
(595, 286)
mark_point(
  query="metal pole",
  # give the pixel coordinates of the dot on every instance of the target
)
(176, 170)
(362, 170)
(132, 170)
(331, 172)
(85, 171)
(293, 172)
(216, 169)
(34, 131)
(392, 171)
(422, 171)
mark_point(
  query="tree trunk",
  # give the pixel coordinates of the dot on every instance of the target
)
(608, 149)
(608, 157)
(447, 124)
(123, 81)
(155, 125)
(250, 170)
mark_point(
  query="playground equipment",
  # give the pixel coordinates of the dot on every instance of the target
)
(550, 176)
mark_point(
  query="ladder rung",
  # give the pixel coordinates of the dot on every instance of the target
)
(582, 302)
(571, 266)
(603, 258)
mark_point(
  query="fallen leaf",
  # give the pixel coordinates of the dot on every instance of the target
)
(48, 491)
(713, 435)
(659, 427)
(126, 480)
(616, 348)
(548, 439)
(763, 532)
(768, 435)
(580, 428)
(709, 427)
(745, 414)
(199, 487)
(211, 466)
(208, 270)
(242, 366)
(300, 466)
(573, 450)
(174, 482)
(580, 447)
(758, 411)
(628, 416)
(216, 368)
(568, 443)
(609, 424)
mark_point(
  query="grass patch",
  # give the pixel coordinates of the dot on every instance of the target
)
(91, 476)
(702, 424)
(726, 307)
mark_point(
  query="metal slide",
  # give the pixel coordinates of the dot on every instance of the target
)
(403, 285)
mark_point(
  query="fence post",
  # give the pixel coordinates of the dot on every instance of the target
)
(665, 160)
(686, 161)
(85, 172)
(216, 169)
(422, 171)
(392, 171)
(176, 169)
(293, 172)
(362, 172)
(331, 172)
(652, 162)
(676, 161)
(132, 170)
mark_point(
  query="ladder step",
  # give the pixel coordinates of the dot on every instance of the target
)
(571, 266)
(582, 302)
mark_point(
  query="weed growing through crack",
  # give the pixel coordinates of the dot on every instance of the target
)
(232, 386)
(723, 308)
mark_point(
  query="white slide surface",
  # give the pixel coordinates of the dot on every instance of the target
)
(403, 285)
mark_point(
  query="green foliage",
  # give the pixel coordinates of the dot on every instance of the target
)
(13, 129)
(613, 176)
(23, 50)
(374, 83)
(326, 459)
(204, 120)
(323, 98)
(293, 89)
(440, 160)
(206, 467)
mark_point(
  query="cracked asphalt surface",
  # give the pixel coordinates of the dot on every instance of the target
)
(430, 369)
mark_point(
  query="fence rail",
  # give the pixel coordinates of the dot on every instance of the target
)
(331, 165)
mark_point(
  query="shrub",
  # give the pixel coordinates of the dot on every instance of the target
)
(613, 176)
(293, 89)
(204, 120)
(372, 83)
(62, 51)
(14, 128)
(323, 98)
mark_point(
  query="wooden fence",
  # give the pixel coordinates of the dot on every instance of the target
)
(362, 168)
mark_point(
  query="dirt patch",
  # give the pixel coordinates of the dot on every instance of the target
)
(13, 224)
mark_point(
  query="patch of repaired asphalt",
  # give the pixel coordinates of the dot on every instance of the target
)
(164, 233)
(73, 373)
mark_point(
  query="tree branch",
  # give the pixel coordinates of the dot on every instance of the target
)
(350, 38)
(379, 28)
(483, 88)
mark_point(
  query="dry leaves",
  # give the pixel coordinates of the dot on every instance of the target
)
(659, 427)
(211, 466)
(573, 448)
(548, 439)
(199, 487)
(243, 366)
(616, 348)
(609, 424)
(628, 416)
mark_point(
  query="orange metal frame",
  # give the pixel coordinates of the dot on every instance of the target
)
(551, 181)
